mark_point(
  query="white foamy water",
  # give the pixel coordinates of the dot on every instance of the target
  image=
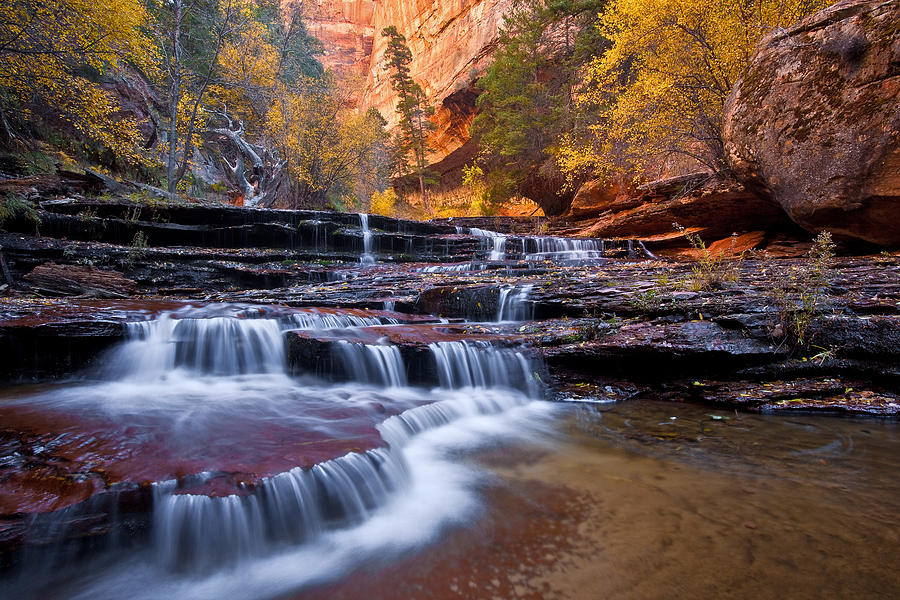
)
(441, 493)
(367, 258)
(210, 391)
(513, 303)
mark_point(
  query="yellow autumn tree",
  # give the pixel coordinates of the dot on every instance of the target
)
(52, 54)
(661, 87)
(330, 147)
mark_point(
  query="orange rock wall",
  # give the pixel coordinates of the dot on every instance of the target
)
(451, 43)
(345, 28)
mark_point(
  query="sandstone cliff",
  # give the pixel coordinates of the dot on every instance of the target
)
(451, 44)
(345, 29)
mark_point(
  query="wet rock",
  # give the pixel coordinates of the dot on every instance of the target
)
(80, 280)
(820, 394)
(475, 303)
(815, 122)
(660, 350)
(50, 350)
(859, 337)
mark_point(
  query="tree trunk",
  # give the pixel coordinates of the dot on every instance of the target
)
(174, 95)
(422, 189)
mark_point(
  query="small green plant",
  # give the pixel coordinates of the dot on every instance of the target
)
(15, 207)
(712, 271)
(138, 250)
(800, 295)
(140, 240)
(87, 214)
(646, 301)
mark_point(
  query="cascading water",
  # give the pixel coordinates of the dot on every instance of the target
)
(367, 257)
(465, 365)
(498, 252)
(493, 241)
(219, 345)
(550, 248)
(204, 394)
(457, 268)
(215, 346)
(370, 363)
(324, 320)
(513, 303)
(201, 533)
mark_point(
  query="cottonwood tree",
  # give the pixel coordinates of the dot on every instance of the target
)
(191, 35)
(412, 107)
(52, 53)
(262, 68)
(661, 87)
(331, 148)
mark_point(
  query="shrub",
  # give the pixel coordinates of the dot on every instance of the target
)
(14, 207)
(384, 203)
(800, 294)
(713, 271)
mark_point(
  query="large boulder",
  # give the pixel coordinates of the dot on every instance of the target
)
(815, 122)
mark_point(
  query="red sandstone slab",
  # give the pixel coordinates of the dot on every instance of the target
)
(60, 452)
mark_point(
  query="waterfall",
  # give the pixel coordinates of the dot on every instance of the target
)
(457, 268)
(213, 346)
(548, 248)
(218, 345)
(370, 363)
(333, 320)
(320, 236)
(499, 250)
(199, 533)
(466, 364)
(646, 251)
(513, 304)
(493, 241)
(367, 258)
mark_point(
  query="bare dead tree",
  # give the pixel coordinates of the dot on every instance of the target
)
(257, 171)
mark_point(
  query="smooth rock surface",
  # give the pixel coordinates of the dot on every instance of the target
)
(815, 122)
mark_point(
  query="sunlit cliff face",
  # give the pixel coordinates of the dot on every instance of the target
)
(451, 44)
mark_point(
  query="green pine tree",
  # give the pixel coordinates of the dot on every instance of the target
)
(415, 124)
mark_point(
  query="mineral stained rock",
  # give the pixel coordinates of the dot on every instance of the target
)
(815, 122)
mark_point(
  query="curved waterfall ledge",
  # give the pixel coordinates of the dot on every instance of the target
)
(199, 533)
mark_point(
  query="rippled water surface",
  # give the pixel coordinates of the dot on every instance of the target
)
(660, 500)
